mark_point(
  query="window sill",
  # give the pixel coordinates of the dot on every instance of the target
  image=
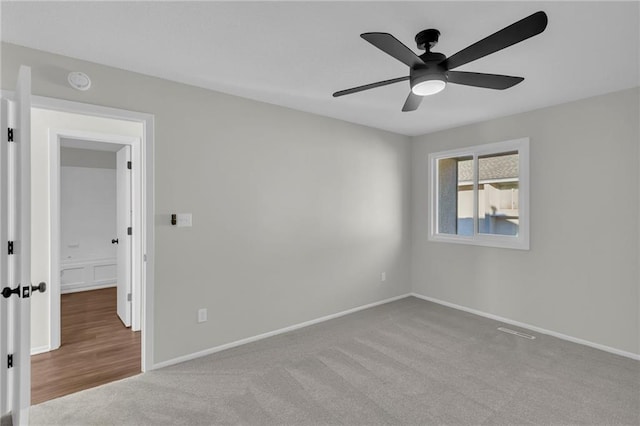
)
(496, 241)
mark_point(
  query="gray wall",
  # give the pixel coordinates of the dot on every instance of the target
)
(295, 216)
(78, 157)
(580, 277)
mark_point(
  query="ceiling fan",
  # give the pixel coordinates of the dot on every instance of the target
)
(430, 72)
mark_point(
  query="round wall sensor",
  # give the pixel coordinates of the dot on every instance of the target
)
(79, 80)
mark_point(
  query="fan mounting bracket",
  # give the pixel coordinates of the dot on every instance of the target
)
(427, 39)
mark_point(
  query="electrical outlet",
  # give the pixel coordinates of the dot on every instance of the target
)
(202, 315)
(383, 277)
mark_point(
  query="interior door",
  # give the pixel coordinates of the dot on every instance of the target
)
(15, 206)
(123, 224)
(4, 256)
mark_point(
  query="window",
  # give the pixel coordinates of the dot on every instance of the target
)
(480, 195)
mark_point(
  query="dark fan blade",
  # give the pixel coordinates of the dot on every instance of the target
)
(514, 33)
(394, 47)
(369, 86)
(489, 81)
(412, 103)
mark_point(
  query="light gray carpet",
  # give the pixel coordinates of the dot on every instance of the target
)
(408, 362)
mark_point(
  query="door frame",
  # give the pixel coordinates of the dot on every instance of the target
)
(55, 238)
(147, 200)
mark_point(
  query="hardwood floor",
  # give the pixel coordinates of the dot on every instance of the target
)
(96, 348)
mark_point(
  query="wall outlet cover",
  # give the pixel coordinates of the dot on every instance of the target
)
(202, 315)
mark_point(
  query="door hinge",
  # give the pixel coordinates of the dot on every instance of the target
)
(128, 297)
(129, 231)
(9, 134)
(129, 165)
(10, 247)
(10, 361)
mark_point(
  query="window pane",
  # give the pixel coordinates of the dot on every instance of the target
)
(498, 194)
(455, 196)
(465, 196)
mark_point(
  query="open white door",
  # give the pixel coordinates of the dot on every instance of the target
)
(15, 205)
(4, 258)
(123, 224)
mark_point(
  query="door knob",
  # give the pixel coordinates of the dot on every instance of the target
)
(7, 292)
(114, 241)
(42, 287)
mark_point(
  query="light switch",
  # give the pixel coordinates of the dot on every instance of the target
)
(184, 219)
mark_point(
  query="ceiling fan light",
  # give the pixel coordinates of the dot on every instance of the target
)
(428, 87)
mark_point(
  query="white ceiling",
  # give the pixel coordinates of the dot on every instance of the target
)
(296, 54)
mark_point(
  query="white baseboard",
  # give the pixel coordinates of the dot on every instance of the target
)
(40, 350)
(77, 287)
(531, 327)
(240, 342)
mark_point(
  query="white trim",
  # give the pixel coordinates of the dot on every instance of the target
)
(78, 287)
(148, 209)
(531, 327)
(497, 180)
(521, 241)
(82, 108)
(251, 339)
(54, 241)
(88, 282)
(40, 350)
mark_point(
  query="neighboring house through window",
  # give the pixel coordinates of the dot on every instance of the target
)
(479, 195)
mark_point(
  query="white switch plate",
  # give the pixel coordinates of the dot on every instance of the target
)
(383, 277)
(202, 315)
(184, 219)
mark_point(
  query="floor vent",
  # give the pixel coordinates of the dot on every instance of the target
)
(517, 333)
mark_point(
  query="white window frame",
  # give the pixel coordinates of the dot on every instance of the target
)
(520, 241)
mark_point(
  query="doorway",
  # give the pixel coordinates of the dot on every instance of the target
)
(89, 330)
